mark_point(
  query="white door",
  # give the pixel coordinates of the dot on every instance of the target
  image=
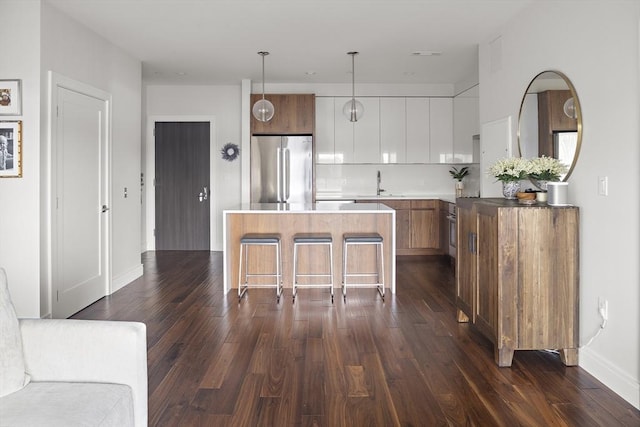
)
(495, 142)
(80, 212)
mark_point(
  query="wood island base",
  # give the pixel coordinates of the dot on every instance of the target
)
(334, 219)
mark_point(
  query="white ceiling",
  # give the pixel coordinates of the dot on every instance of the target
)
(216, 41)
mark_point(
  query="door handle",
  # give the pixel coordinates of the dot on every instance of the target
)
(287, 173)
(203, 194)
(278, 175)
(104, 208)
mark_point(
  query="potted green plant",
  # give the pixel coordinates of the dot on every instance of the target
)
(459, 175)
(510, 172)
(544, 169)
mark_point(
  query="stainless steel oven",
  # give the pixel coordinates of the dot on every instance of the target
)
(452, 229)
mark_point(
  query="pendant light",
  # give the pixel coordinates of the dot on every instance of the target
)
(263, 109)
(353, 109)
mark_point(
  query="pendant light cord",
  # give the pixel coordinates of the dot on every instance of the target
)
(353, 75)
(263, 54)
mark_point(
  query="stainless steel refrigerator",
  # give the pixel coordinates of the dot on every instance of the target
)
(281, 169)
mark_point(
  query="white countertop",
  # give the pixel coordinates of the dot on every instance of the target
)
(326, 207)
(451, 198)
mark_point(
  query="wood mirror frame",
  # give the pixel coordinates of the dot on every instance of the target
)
(545, 113)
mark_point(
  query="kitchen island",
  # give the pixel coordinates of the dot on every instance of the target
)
(289, 219)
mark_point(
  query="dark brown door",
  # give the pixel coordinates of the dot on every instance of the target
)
(182, 185)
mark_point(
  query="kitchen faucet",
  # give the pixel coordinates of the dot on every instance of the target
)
(378, 189)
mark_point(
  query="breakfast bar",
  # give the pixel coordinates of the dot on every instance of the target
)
(287, 220)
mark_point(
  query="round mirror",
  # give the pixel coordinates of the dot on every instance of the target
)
(550, 120)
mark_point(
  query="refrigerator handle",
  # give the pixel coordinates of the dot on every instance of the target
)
(287, 175)
(278, 174)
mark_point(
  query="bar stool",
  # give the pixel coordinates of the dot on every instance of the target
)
(312, 240)
(363, 239)
(247, 241)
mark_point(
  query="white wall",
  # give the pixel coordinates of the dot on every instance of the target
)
(223, 103)
(19, 197)
(38, 38)
(74, 51)
(603, 65)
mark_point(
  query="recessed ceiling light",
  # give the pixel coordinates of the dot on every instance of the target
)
(310, 73)
(426, 53)
(409, 73)
(181, 73)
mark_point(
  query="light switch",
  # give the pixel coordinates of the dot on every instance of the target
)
(603, 186)
(125, 192)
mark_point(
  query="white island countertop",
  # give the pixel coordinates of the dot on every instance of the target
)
(325, 207)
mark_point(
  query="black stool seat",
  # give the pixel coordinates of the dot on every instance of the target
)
(362, 238)
(259, 238)
(312, 238)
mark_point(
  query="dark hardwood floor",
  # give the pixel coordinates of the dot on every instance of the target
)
(402, 362)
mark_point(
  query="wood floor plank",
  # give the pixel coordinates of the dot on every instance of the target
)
(404, 361)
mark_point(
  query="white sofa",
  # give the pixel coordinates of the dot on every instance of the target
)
(70, 372)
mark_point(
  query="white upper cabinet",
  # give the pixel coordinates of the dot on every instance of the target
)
(366, 140)
(343, 133)
(393, 130)
(324, 138)
(466, 119)
(417, 130)
(441, 130)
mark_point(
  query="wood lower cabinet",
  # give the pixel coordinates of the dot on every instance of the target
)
(517, 276)
(417, 225)
(425, 224)
(466, 262)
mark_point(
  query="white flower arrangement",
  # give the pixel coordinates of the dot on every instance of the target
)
(547, 169)
(511, 169)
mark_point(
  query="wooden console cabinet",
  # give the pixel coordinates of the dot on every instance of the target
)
(517, 275)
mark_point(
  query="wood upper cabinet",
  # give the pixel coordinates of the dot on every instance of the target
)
(294, 115)
(521, 264)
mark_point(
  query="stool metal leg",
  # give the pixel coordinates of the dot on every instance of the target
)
(379, 264)
(241, 289)
(311, 240)
(243, 280)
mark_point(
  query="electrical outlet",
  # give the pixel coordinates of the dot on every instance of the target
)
(603, 308)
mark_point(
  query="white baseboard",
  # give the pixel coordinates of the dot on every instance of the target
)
(610, 375)
(125, 278)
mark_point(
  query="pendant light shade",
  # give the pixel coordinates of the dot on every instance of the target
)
(353, 109)
(263, 109)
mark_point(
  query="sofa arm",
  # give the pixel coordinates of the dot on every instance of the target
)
(89, 351)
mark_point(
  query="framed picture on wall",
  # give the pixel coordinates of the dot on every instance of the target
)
(11, 149)
(10, 97)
